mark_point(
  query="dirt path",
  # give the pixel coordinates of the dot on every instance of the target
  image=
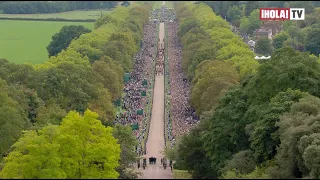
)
(155, 144)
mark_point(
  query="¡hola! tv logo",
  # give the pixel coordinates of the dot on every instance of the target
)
(282, 14)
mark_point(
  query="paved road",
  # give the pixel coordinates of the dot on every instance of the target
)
(155, 144)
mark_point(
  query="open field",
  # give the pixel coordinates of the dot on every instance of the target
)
(181, 174)
(73, 15)
(26, 41)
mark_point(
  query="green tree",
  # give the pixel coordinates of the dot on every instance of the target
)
(308, 5)
(286, 68)
(111, 75)
(313, 41)
(102, 104)
(62, 39)
(72, 86)
(254, 19)
(191, 153)
(299, 135)
(244, 25)
(97, 152)
(13, 120)
(34, 156)
(106, 19)
(250, 6)
(128, 155)
(116, 49)
(264, 134)
(27, 98)
(187, 25)
(63, 152)
(243, 162)
(202, 54)
(217, 77)
(234, 14)
(264, 46)
(49, 114)
(277, 41)
(226, 133)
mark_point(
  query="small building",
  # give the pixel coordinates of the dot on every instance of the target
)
(274, 26)
(269, 29)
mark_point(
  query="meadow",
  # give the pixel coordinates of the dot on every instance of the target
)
(74, 15)
(26, 41)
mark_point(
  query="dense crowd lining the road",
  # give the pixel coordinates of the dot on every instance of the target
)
(182, 115)
(133, 100)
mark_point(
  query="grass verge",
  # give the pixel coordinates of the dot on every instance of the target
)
(181, 174)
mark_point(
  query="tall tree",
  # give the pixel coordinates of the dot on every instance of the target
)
(13, 120)
(62, 39)
(234, 14)
(250, 6)
(286, 68)
(298, 155)
(278, 40)
(191, 153)
(313, 41)
(217, 77)
(81, 147)
(128, 155)
(264, 46)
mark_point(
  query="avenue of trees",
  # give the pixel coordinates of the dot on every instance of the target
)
(34, 7)
(41, 104)
(257, 120)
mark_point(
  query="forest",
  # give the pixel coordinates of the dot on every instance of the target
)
(258, 119)
(43, 106)
(300, 35)
(35, 7)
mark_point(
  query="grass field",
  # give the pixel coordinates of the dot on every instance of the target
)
(26, 41)
(181, 174)
(75, 15)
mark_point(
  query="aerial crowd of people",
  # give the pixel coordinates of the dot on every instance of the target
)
(182, 115)
(134, 100)
(163, 14)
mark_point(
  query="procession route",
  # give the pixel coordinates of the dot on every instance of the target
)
(155, 144)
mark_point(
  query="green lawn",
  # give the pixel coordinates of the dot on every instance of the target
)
(91, 14)
(181, 174)
(26, 41)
